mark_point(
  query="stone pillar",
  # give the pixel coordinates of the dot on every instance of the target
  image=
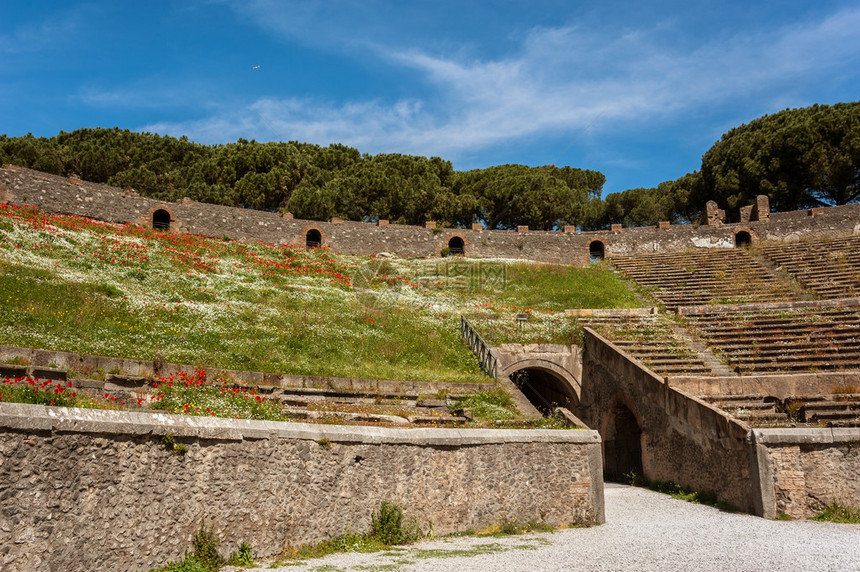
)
(714, 215)
(747, 213)
(761, 209)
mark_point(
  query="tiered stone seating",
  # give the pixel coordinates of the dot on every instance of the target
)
(373, 407)
(833, 411)
(756, 410)
(784, 340)
(652, 341)
(342, 405)
(829, 268)
(705, 276)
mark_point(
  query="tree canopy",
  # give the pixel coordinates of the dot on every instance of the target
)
(799, 158)
(315, 182)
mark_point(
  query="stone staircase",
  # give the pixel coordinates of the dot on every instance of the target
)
(833, 411)
(651, 339)
(306, 404)
(705, 276)
(830, 268)
(756, 410)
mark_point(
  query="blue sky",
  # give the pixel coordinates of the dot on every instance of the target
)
(637, 90)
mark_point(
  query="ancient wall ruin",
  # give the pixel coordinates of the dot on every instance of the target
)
(51, 193)
(802, 470)
(673, 436)
(96, 490)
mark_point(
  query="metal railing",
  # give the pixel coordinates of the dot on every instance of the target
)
(479, 347)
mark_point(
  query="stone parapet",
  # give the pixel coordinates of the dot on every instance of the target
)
(115, 490)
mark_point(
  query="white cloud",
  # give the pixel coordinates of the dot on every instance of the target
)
(38, 36)
(559, 82)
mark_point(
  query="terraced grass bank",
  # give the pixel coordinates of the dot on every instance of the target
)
(78, 285)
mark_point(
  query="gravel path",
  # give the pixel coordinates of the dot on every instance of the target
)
(644, 530)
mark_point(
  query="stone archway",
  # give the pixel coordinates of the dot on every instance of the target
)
(456, 246)
(596, 251)
(743, 239)
(161, 220)
(313, 238)
(622, 439)
(545, 384)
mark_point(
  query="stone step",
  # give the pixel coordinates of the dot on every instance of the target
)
(762, 416)
(746, 405)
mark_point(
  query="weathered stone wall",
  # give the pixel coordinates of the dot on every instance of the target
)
(683, 439)
(71, 196)
(781, 386)
(801, 470)
(559, 368)
(87, 363)
(91, 489)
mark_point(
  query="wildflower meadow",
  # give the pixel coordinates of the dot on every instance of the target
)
(74, 284)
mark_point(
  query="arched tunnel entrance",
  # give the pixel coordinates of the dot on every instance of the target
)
(545, 389)
(622, 442)
(161, 220)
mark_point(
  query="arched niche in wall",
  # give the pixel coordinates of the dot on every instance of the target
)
(456, 246)
(596, 250)
(622, 441)
(313, 238)
(161, 220)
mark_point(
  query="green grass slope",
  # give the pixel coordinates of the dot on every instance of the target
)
(74, 284)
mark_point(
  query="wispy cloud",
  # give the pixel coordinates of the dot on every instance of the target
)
(557, 83)
(32, 37)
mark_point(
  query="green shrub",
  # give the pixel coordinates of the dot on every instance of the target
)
(204, 545)
(386, 522)
(242, 557)
(388, 526)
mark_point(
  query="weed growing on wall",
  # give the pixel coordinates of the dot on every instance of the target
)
(836, 512)
(204, 555)
(389, 527)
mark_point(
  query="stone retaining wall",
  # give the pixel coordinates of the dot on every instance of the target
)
(88, 364)
(683, 439)
(781, 386)
(92, 489)
(801, 470)
(61, 195)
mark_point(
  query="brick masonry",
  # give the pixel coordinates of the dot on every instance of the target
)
(801, 470)
(92, 489)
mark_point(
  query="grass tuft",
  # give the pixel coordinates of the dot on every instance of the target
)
(836, 512)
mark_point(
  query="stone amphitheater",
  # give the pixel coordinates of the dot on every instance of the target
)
(742, 379)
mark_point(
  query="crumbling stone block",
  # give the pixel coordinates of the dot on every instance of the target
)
(761, 209)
